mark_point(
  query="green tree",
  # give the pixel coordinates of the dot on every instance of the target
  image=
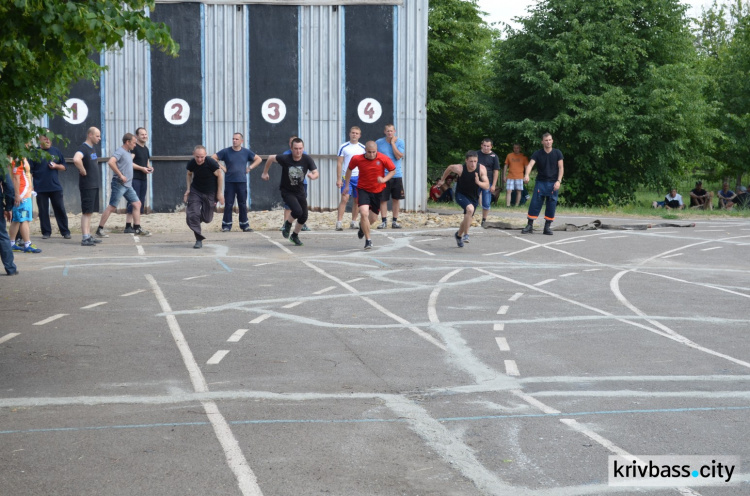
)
(44, 49)
(458, 68)
(616, 84)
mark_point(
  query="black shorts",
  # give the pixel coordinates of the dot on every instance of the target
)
(394, 188)
(368, 198)
(89, 200)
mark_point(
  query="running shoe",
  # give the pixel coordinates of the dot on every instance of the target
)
(88, 242)
(17, 247)
(465, 239)
(459, 241)
(128, 230)
(294, 238)
(305, 228)
(286, 228)
(338, 226)
(360, 233)
(383, 225)
(100, 233)
(354, 225)
(142, 232)
(31, 249)
(368, 244)
(395, 225)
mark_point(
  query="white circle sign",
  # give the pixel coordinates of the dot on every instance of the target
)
(75, 111)
(273, 110)
(369, 110)
(177, 111)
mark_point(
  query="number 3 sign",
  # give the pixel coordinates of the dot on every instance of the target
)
(177, 111)
(369, 110)
(273, 110)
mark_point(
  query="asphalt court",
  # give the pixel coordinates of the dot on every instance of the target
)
(513, 366)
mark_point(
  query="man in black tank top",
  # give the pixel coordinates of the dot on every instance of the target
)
(471, 178)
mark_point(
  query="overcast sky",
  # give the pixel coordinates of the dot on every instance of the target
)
(505, 11)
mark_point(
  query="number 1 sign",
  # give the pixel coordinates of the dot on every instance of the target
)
(75, 110)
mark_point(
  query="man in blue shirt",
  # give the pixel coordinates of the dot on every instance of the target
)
(48, 188)
(393, 148)
(235, 170)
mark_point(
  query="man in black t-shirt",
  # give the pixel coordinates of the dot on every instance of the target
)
(491, 163)
(700, 198)
(548, 178)
(141, 169)
(86, 161)
(205, 185)
(296, 167)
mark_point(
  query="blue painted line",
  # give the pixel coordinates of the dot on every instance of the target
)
(378, 261)
(224, 265)
(65, 270)
(371, 420)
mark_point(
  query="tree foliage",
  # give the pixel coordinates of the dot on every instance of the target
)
(617, 85)
(457, 107)
(45, 47)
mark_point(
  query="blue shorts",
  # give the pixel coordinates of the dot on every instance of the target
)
(514, 184)
(486, 196)
(119, 190)
(352, 186)
(464, 201)
(22, 213)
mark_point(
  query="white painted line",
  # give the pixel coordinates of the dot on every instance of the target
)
(261, 264)
(498, 253)
(94, 305)
(673, 255)
(573, 424)
(134, 292)
(292, 305)
(194, 277)
(140, 250)
(546, 281)
(569, 274)
(325, 290)
(260, 319)
(425, 240)
(235, 338)
(709, 230)
(712, 248)
(419, 249)
(136, 239)
(534, 402)
(591, 270)
(511, 368)
(50, 319)
(357, 279)
(614, 237)
(350, 250)
(503, 310)
(570, 242)
(498, 327)
(515, 297)
(502, 343)
(9, 336)
(218, 356)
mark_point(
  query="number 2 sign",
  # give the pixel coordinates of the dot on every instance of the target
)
(369, 110)
(177, 111)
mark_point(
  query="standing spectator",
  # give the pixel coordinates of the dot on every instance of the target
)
(472, 179)
(548, 178)
(121, 163)
(491, 163)
(700, 198)
(235, 160)
(86, 161)
(726, 196)
(48, 188)
(205, 185)
(393, 148)
(371, 182)
(22, 210)
(673, 201)
(346, 151)
(7, 198)
(141, 169)
(515, 164)
(295, 167)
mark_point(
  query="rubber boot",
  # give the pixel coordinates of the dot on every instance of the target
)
(547, 230)
(529, 229)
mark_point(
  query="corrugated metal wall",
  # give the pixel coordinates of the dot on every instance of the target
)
(321, 96)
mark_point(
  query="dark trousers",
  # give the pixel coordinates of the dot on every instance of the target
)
(297, 203)
(6, 252)
(141, 187)
(230, 191)
(43, 201)
(543, 190)
(200, 208)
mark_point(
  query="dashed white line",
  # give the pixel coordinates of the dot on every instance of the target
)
(503, 310)
(140, 250)
(712, 248)
(570, 242)
(515, 297)
(497, 253)
(50, 319)
(135, 292)
(498, 327)
(260, 319)
(502, 343)
(419, 249)
(218, 356)
(614, 237)
(9, 336)
(235, 338)
(673, 255)
(355, 280)
(136, 239)
(194, 277)
(511, 368)
(534, 402)
(569, 274)
(542, 283)
(292, 305)
(325, 290)
(100, 303)
(573, 424)
(261, 264)
(425, 240)
(591, 270)
(709, 230)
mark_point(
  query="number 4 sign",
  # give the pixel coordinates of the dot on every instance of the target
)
(177, 111)
(369, 110)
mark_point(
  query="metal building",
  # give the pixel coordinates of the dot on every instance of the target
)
(267, 69)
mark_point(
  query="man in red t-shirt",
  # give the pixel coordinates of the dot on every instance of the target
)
(371, 182)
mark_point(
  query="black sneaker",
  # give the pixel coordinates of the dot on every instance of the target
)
(66, 236)
(295, 239)
(101, 234)
(383, 225)
(128, 230)
(360, 233)
(198, 244)
(368, 244)
(395, 225)
(88, 242)
(96, 241)
(45, 236)
(285, 229)
(142, 232)
(484, 221)
(459, 241)
(247, 229)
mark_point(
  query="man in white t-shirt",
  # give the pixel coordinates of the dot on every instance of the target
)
(346, 151)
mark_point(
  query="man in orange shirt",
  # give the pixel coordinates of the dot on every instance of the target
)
(22, 214)
(515, 163)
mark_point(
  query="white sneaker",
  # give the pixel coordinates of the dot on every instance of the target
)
(338, 226)
(354, 225)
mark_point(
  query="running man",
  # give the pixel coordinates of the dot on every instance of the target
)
(346, 151)
(205, 185)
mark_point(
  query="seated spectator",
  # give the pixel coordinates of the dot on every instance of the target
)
(700, 198)
(444, 192)
(742, 200)
(726, 196)
(673, 201)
